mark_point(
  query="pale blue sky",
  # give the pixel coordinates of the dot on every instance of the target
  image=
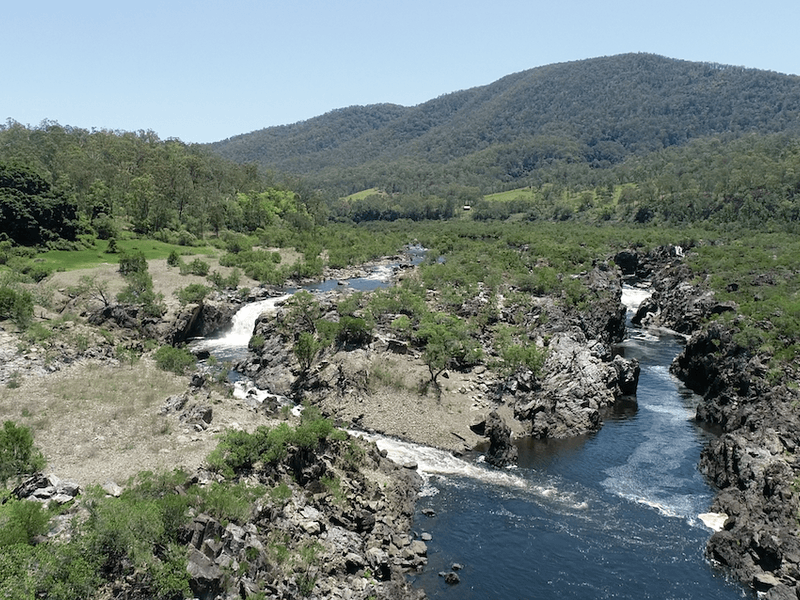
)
(205, 70)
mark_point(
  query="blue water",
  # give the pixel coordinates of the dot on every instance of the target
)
(611, 515)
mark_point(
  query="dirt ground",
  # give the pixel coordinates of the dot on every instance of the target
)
(401, 402)
(102, 422)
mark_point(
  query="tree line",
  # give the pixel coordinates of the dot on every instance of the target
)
(90, 180)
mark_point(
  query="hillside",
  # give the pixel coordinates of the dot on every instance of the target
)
(596, 112)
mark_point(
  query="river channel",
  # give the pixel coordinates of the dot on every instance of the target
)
(611, 515)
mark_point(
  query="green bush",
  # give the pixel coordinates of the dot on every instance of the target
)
(105, 227)
(239, 451)
(18, 455)
(196, 267)
(21, 521)
(220, 282)
(175, 360)
(174, 259)
(194, 293)
(256, 343)
(230, 502)
(133, 261)
(354, 331)
(16, 305)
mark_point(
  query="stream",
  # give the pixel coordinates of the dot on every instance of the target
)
(616, 514)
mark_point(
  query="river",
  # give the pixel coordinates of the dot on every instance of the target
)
(616, 514)
(611, 515)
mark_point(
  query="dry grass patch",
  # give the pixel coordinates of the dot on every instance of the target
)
(97, 422)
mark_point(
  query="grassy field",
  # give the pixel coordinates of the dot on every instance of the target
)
(526, 193)
(363, 194)
(70, 260)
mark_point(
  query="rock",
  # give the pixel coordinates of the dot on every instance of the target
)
(200, 320)
(502, 451)
(450, 578)
(576, 384)
(397, 346)
(205, 576)
(478, 426)
(174, 403)
(112, 489)
(198, 380)
(31, 485)
(627, 374)
(765, 581)
(198, 414)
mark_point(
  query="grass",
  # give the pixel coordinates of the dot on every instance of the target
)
(70, 260)
(96, 414)
(363, 194)
(525, 193)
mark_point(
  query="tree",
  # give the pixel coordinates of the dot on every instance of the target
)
(447, 341)
(31, 212)
(94, 288)
(305, 349)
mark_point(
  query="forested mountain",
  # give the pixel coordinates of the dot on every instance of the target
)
(595, 112)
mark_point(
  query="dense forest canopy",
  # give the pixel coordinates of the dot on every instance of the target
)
(594, 112)
(134, 180)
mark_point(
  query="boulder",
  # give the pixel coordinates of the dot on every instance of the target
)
(206, 578)
(627, 375)
(502, 452)
(577, 383)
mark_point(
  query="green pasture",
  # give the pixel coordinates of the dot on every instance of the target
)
(363, 194)
(68, 260)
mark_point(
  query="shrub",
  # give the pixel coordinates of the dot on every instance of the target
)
(105, 227)
(229, 502)
(305, 349)
(18, 455)
(240, 451)
(16, 305)
(132, 262)
(220, 282)
(175, 360)
(196, 267)
(21, 521)
(256, 343)
(174, 259)
(194, 293)
(354, 331)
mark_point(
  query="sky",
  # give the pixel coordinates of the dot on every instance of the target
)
(203, 71)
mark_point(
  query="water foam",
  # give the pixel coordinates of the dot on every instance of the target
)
(244, 321)
(632, 297)
(433, 462)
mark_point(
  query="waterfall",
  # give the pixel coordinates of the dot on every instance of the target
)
(243, 323)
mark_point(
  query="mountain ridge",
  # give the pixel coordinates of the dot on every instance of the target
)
(597, 110)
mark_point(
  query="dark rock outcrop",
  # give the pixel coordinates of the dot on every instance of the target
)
(578, 384)
(502, 452)
(201, 320)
